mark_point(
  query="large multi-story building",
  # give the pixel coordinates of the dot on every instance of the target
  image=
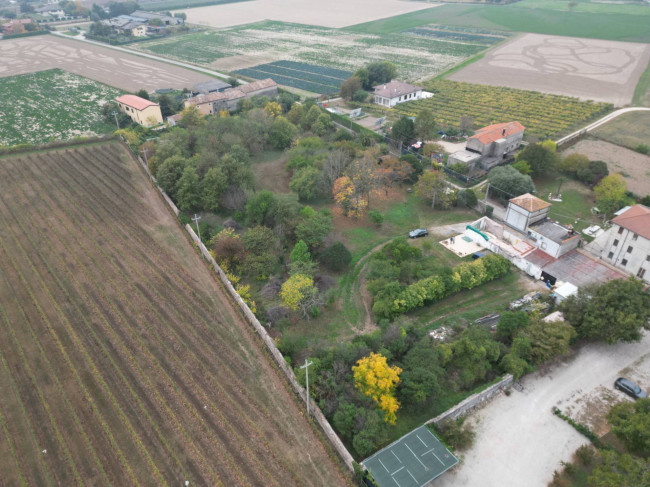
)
(626, 245)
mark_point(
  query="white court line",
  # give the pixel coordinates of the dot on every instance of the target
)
(400, 461)
(421, 440)
(402, 468)
(398, 485)
(416, 457)
(414, 480)
(431, 451)
(382, 464)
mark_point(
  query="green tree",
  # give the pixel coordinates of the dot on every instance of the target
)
(349, 87)
(305, 183)
(169, 173)
(213, 185)
(425, 125)
(261, 244)
(310, 117)
(191, 117)
(323, 125)
(593, 172)
(422, 376)
(260, 208)
(282, 133)
(630, 423)
(548, 340)
(510, 323)
(540, 158)
(142, 93)
(403, 129)
(610, 193)
(573, 163)
(188, 193)
(620, 470)
(336, 257)
(472, 356)
(432, 187)
(296, 114)
(314, 228)
(510, 182)
(377, 72)
(523, 167)
(301, 262)
(467, 197)
(616, 310)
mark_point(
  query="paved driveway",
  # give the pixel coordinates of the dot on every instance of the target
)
(520, 442)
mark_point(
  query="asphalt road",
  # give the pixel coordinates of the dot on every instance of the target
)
(520, 442)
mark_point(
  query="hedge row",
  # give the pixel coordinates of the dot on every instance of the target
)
(25, 34)
(431, 289)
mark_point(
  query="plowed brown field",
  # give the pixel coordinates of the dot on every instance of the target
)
(121, 360)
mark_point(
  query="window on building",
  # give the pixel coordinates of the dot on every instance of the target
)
(635, 236)
(624, 262)
(620, 230)
(641, 273)
(610, 255)
(629, 249)
(615, 242)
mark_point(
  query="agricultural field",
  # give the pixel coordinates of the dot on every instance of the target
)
(308, 77)
(459, 34)
(176, 4)
(127, 72)
(122, 362)
(544, 116)
(417, 57)
(335, 13)
(629, 130)
(591, 69)
(611, 22)
(51, 105)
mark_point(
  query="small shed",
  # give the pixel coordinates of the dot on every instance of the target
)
(525, 210)
(564, 291)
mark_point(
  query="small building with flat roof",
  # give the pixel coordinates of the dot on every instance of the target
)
(212, 86)
(465, 157)
(553, 238)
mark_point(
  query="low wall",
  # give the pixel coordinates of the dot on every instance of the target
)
(472, 401)
(318, 415)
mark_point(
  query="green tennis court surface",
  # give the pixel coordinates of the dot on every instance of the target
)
(412, 461)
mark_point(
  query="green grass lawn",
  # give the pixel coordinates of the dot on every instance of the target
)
(51, 105)
(623, 23)
(629, 130)
(642, 91)
(576, 204)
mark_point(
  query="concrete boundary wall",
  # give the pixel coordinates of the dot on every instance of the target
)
(318, 415)
(472, 401)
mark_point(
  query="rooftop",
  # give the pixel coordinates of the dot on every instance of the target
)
(553, 231)
(579, 269)
(539, 258)
(529, 202)
(491, 133)
(135, 102)
(230, 94)
(210, 86)
(395, 88)
(636, 219)
(257, 85)
(466, 156)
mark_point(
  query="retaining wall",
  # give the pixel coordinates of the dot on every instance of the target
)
(472, 401)
(318, 415)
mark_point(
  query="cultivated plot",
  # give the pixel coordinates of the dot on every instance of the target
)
(589, 69)
(125, 71)
(51, 105)
(122, 362)
(416, 56)
(334, 13)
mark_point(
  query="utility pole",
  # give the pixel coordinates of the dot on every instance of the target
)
(144, 152)
(196, 220)
(115, 115)
(487, 192)
(306, 367)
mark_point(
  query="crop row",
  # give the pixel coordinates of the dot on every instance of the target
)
(455, 36)
(543, 115)
(294, 73)
(312, 68)
(139, 324)
(301, 84)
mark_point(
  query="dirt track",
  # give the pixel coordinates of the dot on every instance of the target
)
(114, 68)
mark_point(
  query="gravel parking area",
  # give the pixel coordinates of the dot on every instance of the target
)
(520, 442)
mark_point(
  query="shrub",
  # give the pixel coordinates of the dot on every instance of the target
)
(336, 257)
(376, 217)
(586, 455)
(642, 148)
(457, 434)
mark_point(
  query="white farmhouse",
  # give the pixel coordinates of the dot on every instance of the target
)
(626, 245)
(396, 92)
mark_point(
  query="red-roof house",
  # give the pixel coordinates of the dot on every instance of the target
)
(142, 111)
(496, 141)
(626, 245)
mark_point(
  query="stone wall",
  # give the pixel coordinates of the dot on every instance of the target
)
(320, 418)
(472, 401)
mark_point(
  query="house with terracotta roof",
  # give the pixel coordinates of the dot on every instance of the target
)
(214, 102)
(142, 111)
(490, 145)
(626, 245)
(396, 92)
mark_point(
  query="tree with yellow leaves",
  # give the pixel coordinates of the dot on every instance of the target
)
(273, 109)
(375, 378)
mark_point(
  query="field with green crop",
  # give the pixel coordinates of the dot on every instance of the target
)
(416, 56)
(544, 116)
(597, 21)
(178, 4)
(51, 105)
(309, 77)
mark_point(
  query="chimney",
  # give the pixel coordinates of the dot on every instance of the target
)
(503, 134)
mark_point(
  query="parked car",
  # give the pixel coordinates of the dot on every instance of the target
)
(630, 388)
(420, 232)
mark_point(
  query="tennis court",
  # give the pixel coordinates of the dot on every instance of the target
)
(412, 461)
